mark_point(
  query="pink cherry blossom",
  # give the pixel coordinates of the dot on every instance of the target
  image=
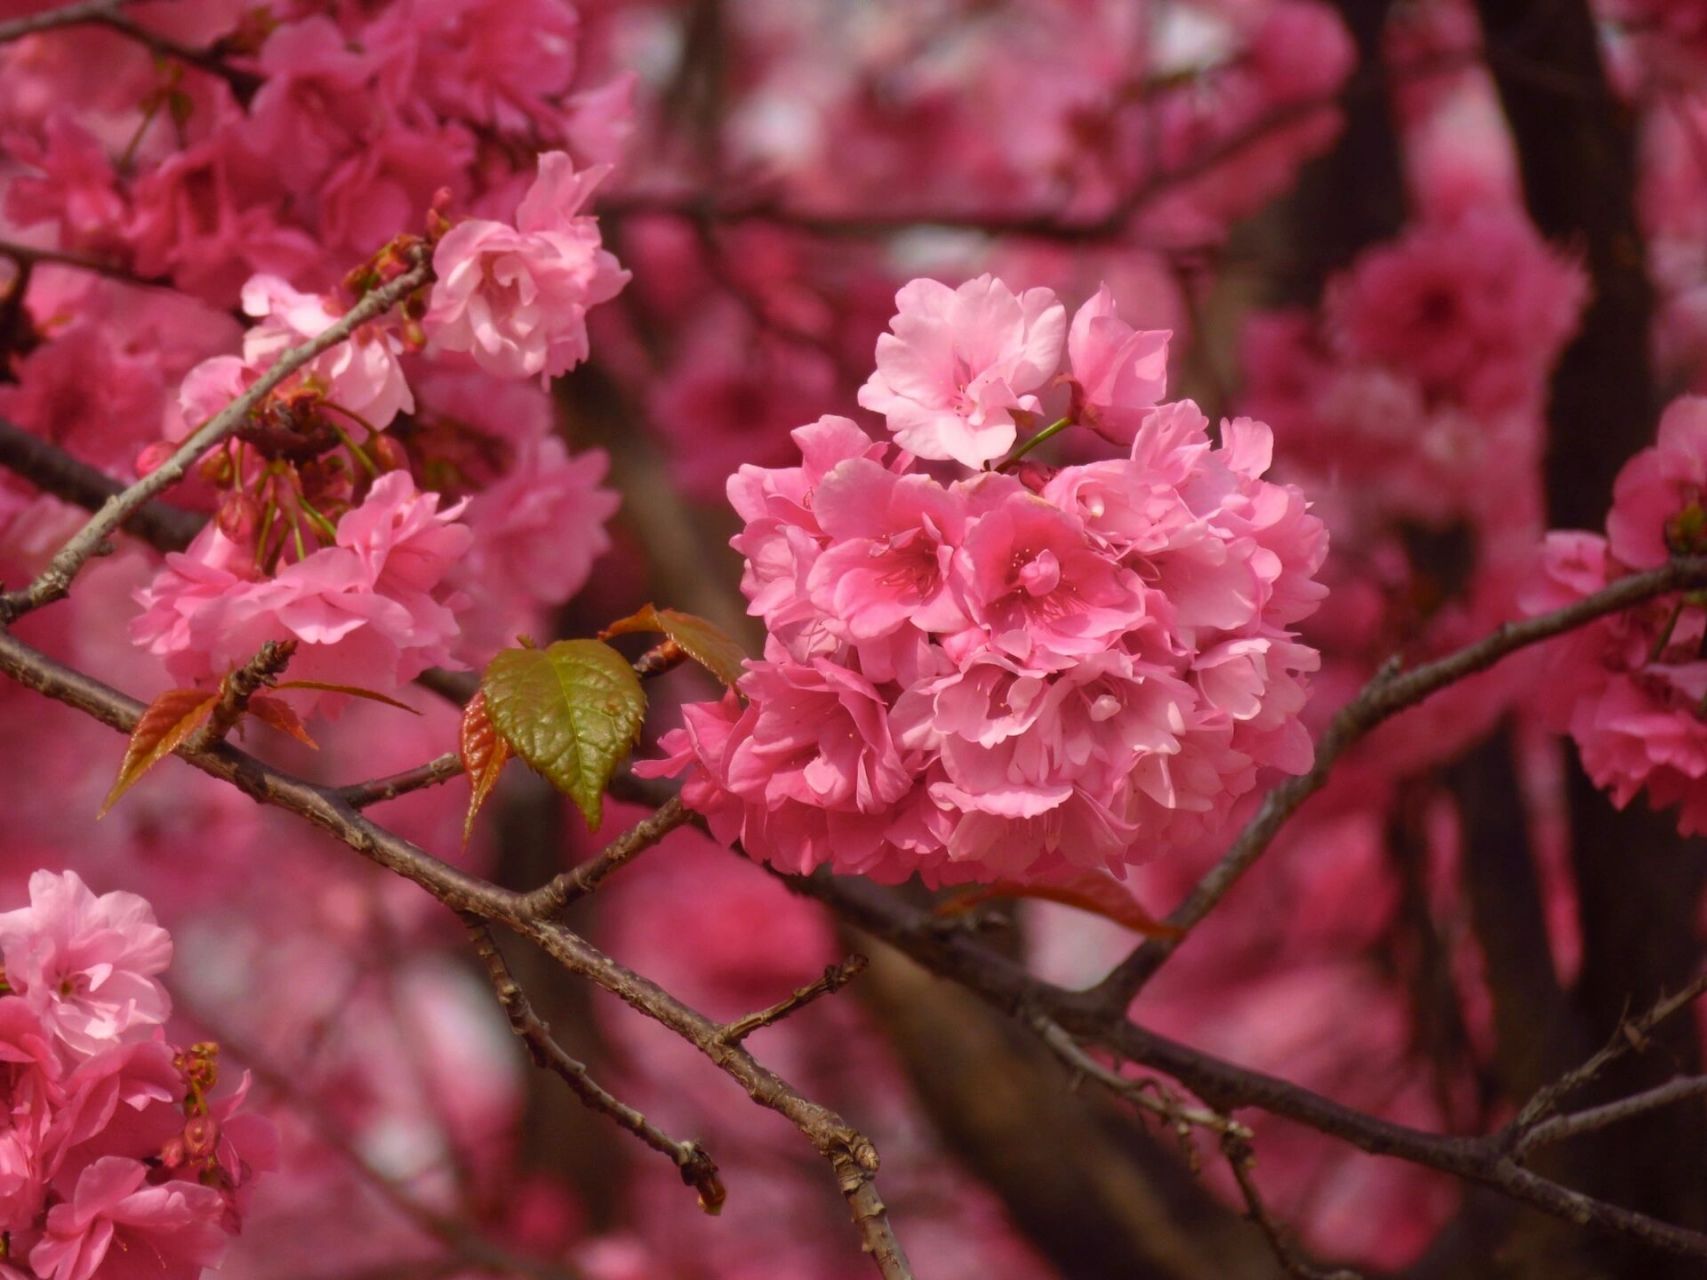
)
(1121, 371)
(118, 1225)
(86, 964)
(516, 297)
(1657, 503)
(959, 363)
(361, 376)
(369, 610)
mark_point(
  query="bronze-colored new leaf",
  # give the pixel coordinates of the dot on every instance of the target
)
(705, 642)
(571, 710)
(168, 721)
(1093, 891)
(484, 754)
(278, 714)
(353, 690)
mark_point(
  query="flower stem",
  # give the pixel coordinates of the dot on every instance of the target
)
(1026, 446)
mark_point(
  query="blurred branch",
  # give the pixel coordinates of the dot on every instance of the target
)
(1240, 1158)
(54, 471)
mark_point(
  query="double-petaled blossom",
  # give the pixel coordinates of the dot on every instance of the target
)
(114, 1160)
(515, 298)
(84, 964)
(989, 678)
(369, 610)
(959, 363)
(1631, 688)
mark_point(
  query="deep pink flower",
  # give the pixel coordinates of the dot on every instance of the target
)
(959, 363)
(119, 1227)
(86, 964)
(516, 298)
(1657, 503)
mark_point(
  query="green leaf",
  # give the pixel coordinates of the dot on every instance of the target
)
(484, 755)
(571, 710)
(168, 720)
(703, 641)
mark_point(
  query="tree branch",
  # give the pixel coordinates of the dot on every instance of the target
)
(1390, 691)
(56, 472)
(56, 579)
(851, 1155)
(573, 885)
(835, 977)
(697, 1167)
(358, 795)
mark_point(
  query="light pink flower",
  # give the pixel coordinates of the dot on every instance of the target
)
(86, 964)
(959, 363)
(361, 375)
(1121, 371)
(119, 1227)
(516, 298)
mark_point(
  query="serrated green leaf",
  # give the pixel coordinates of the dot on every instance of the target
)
(703, 641)
(571, 710)
(167, 722)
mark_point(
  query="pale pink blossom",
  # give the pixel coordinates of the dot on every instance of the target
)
(1121, 371)
(118, 1226)
(361, 376)
(86, 964)
(516, 297)
(959, 363)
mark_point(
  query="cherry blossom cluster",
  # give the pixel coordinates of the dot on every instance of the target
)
(1631, 689)
(370, 598)
(1018, 672)
(115, 1160)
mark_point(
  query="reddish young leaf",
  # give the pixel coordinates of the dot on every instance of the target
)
(484, 753)
(705, 642)
(280, 715)
(354, 691)
(169, 719)
(1093, 891)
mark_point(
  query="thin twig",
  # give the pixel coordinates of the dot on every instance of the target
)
(1240, 1158)
(1146, 1094)
(851, 1155)
(697, 1168)
(570, 886)
(243, 83)
(29, 254)
(240, 686)
(358, 795)
(835, 977)
(1390, 691)
(1594, 1118)
(1630, 1036)
(56, 579)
